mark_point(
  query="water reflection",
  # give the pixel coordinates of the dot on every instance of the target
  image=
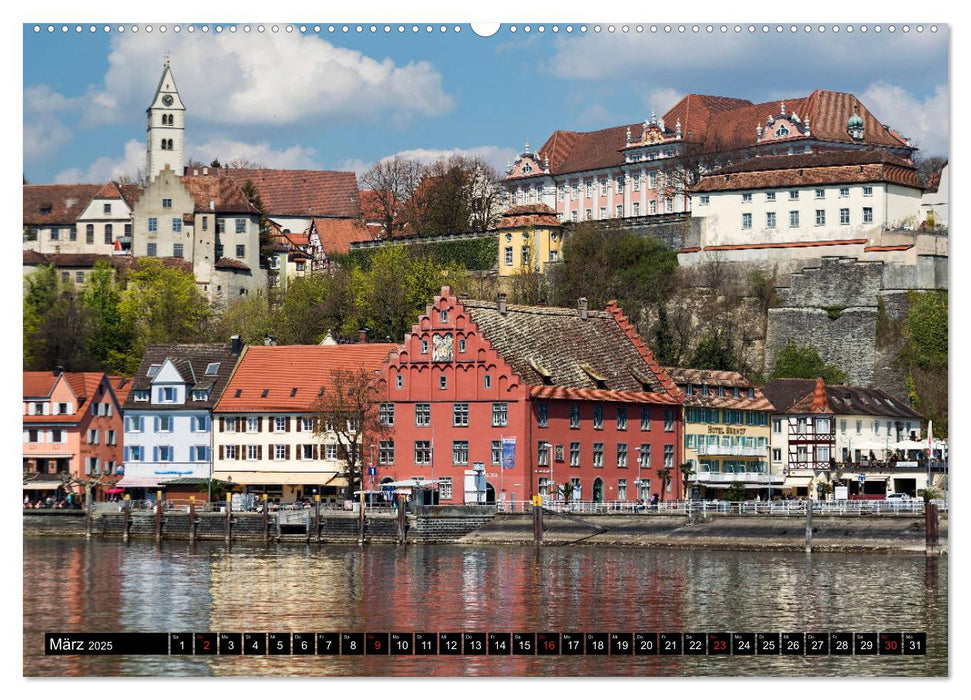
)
(78, 585)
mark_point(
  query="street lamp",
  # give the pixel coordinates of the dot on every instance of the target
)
(549, 449)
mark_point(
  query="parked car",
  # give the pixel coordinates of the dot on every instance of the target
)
(898, 497)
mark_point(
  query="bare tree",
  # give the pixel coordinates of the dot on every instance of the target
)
(394, 180)
(349, 411)
(455, 194)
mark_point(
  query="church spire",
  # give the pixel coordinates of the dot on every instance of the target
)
(166, 125)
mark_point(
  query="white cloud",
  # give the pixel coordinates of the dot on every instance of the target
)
(662, 99)
(265, 79)
(107, 168)
(924, 121)
(496, 156)
(226, 150)
(594, 115)
(44, 133)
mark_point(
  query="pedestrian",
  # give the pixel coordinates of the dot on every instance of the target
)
(27, 501)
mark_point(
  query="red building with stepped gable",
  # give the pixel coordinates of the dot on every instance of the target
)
(477, 383)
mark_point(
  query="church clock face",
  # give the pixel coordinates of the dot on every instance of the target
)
(167, 100)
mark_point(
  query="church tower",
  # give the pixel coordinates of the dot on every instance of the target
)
(166, 127)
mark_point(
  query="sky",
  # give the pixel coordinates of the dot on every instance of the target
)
(330, 100)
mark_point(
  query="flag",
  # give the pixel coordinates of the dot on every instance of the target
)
(508, 452)
(930, 439)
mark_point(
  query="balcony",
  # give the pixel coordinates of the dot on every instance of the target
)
(733, 451)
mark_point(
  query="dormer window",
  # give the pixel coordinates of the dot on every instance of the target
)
(141, 395)
(527, 169)
(781, 132)
(200, 394)
(45, 210)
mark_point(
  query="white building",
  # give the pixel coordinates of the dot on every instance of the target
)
(821, 433)
(839, 203)
(933, 206)
(168, 425)
(265, 437)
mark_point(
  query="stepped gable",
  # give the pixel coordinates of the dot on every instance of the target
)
(191, 360)
(835, 167)
(683, 376)
(56, 204)
(562, 355)
(220, 194)
(310, 193)
(293, 375)
(529, 215)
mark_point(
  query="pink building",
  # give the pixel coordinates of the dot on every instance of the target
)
(72, 431)
(632, 170)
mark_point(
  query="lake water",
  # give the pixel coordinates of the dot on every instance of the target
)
(74, 585)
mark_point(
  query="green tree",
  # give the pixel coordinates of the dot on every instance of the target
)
(315, 304)
(112, 337)
(57, 327)
(664, 474)
(735, 491)
(249, 317)
(803, 362)
(923, 357)
(161, 304)
(715, 352)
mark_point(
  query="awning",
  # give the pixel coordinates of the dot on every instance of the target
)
(139, 482)
(797, 481)
(42, 485)
(48, 455)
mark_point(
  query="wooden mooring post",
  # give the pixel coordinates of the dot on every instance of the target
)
(317, 516)
(127, 511)
(158, 515)
(88, 507)
(192, 518)
(538, 520)
(931, 533)
(360, 520)
(809, 526)
(229, 519)
(401, 518)
(266, 525)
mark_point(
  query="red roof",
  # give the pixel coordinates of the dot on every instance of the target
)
(56, 204)
(529, 215)
(37, 384)
(307, 193)
(719, 124)
(121, 386)
(336, 235)
(222, 193)
(282, 368)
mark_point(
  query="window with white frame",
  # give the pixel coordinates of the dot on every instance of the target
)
(574, 454)
(603, 213)
(645, 417)
(386, 414)
(445, 487)
(330, 451)
(820, 217)
(460, 415)
(230, 451)
(603, 187)
(598, 455)
(747, 220)
(622, 418)
(770, 196)
(637, 208)
(652, 207)
(386, 452)
(668, 456)
(622, 455)
(844, 191)
(423, 414)
(598, 417)
(820, 194)
(500, 414)
(423, 452)
(252, 424)
(793, 194)
(867, 215)
(844, 216)
(637, 182)
(542, 453)
(867, 191)
(770, 219)
(793, 219)
(575, 190)
(460, 452)
(574, 416)
(163, 424)
(668, 420)
(279, 451)
(279, 424)
(252, 452)
(644, 456)
(746, 198)
(496, 452)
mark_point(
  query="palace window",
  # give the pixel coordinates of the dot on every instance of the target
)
(793, 219)
(603, 212)
(844, 191)
(867, 215)
(844, 216)
(588, 187)
(770, 219)
(747, 220)
(603, 187)
(637, 208)
(867, 191)
(793, 194)
(820, 194)
(770, 196)
(152, 224)
(820, 217)
(746, 198)
(575, 190)
(637, 182)
(460, 415)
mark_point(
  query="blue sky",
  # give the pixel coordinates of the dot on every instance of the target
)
(344, 101)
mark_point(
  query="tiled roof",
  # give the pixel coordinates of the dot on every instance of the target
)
(571, 352)
(796, 395)
(231, 264)
(64, 259)
(222, 192)
(131, 194)
(282, 368)
(835, 167)
(568, 394)
(697, 378)
(113, 190)
(191, 361)
(38, 384)
(336, 235)
(372, 208)
(529, 215)
(308, 193)
(63, 203)
(719, 124)
(122, 387)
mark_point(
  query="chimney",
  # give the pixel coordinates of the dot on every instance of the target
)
(501, 299)
(582, 306)
(236, 344)
(58, 370)
(362, 335)
(205, 171)
(269, 339)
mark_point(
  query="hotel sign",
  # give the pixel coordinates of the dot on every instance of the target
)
(720, 430)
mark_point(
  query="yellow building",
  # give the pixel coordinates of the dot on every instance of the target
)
(726, 432)
(530, 237)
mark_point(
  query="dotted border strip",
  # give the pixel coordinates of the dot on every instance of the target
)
(510, 29)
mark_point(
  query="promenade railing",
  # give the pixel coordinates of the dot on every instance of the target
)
(780, 508)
